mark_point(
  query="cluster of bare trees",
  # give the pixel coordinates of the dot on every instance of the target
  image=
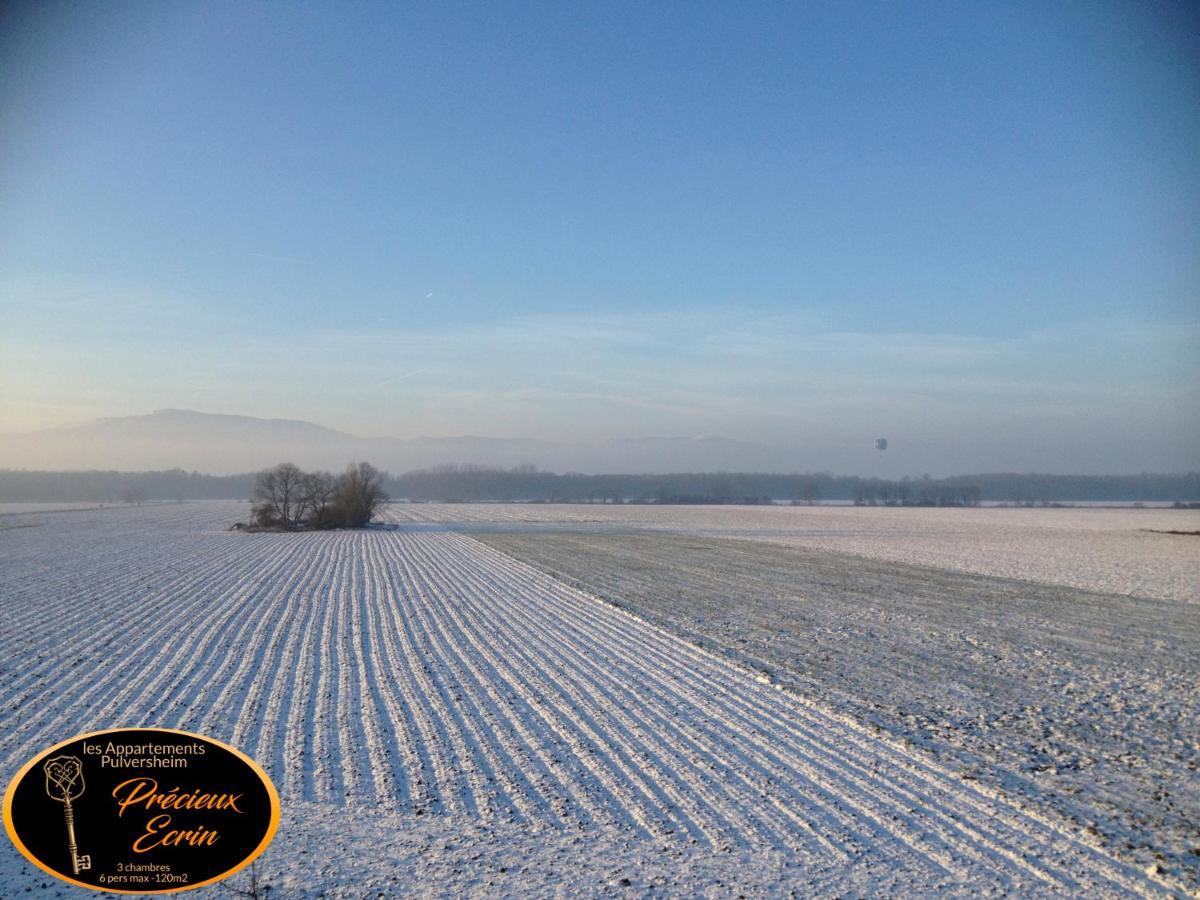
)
(289, 498)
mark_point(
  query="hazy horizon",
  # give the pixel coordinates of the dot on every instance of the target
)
(223, 444)
(971, 229)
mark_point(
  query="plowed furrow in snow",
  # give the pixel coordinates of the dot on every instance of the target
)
(515, 751)
(323, 765)
(420, 672)
(644, 802)
(682, 707)
(445, 781)
(877, 770)
(292, 760)
(566, 785)
(474, 773)
(165, 629)
(376, 716)
(233, 648)
(629, 791)
(658, 739)
(710, 757)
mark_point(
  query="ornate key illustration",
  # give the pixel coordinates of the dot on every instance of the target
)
(64, 783)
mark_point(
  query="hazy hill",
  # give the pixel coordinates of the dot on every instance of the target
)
(223, 444)
(175, 438)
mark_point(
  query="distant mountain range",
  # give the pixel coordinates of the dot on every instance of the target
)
(224, 444)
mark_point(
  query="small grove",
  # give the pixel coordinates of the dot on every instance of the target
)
(286, 498)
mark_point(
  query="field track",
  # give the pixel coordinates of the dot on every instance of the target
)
(421, 673)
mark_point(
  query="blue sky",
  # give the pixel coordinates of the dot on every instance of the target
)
(965, 225)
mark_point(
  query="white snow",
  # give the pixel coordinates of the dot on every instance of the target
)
(433, 711)
(1115, 550)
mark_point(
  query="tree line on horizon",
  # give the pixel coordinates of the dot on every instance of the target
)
(484, 483)
(470, 483)
(525, 483)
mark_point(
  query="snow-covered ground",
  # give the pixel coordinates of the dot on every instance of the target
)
(1120, 551)
(13, 508)
(443, 719)
(1085, 706)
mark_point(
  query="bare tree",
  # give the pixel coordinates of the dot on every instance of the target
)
(358, 495)
(134, 494)
(319, 490)
(254, 888)
(279, 496)
(812, 491)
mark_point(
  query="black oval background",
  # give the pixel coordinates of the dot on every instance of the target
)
(40, 824)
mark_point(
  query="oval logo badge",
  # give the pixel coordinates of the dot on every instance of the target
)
(141, 810)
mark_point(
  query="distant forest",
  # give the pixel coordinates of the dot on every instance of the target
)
(525, 483)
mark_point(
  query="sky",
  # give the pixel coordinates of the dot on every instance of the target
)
(959, 225)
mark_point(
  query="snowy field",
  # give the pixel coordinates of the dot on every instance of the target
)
(443, 719)
(1119, 551)
(12, 509)
(1083, 705)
